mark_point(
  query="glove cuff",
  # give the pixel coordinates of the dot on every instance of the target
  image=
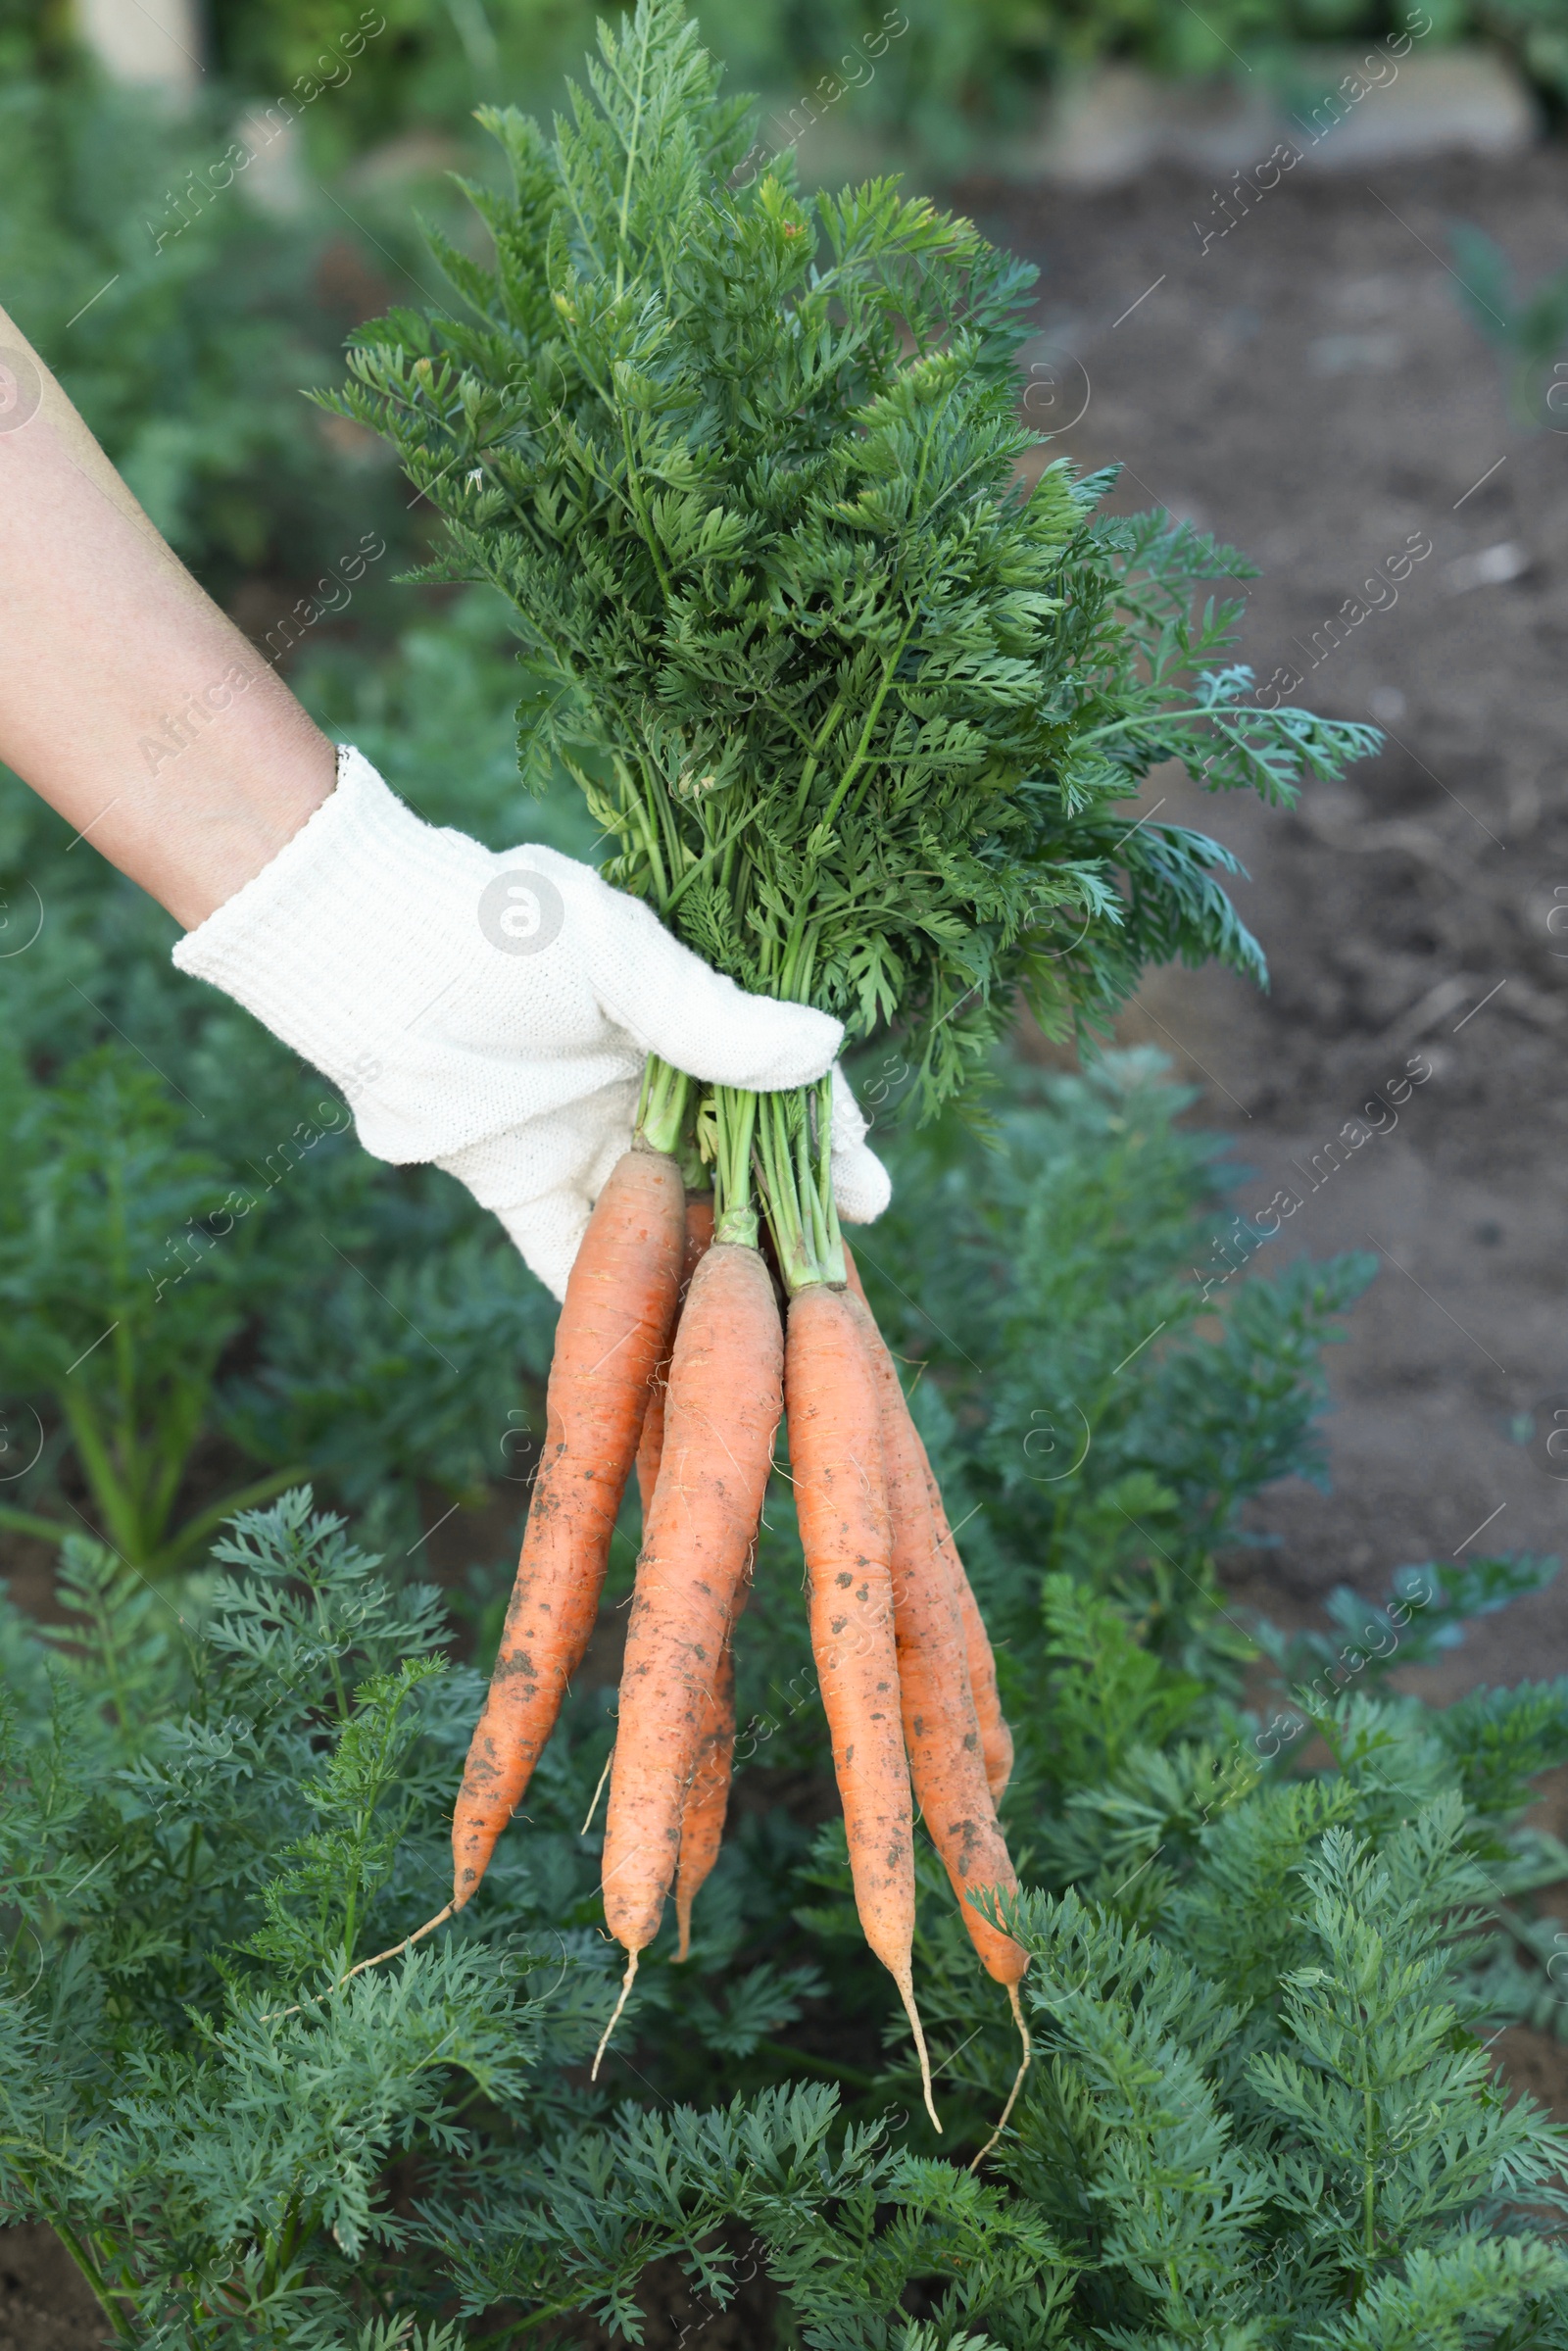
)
(339, 943)
(360, 833)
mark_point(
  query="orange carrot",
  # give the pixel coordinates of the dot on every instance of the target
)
(841, 1499)
(699, 1238)
(940, 1729)
(613, 1328)
(944, 1771)
(702, 1820)
(995, 1739)
(721, 1417)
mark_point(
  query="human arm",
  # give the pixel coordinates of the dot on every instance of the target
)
(127, 700)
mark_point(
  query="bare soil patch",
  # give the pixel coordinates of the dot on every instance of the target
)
(1310, 389)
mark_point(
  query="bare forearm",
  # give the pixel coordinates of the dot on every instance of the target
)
(127, 698)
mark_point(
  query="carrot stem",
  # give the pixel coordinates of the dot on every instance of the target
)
(793, 1163)
(824, 1208)
(662, 1106)
(734, 1209)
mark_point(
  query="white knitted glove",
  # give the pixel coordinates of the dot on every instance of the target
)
(861, 1185)
(491, 1011)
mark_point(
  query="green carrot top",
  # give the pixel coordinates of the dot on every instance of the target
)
(859, 706)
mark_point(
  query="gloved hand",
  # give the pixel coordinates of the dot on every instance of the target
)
(491, 1011)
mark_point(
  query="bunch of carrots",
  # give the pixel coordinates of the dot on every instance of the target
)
(672, 1354)
(859, 706)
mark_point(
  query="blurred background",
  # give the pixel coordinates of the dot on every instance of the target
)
(1304, 270)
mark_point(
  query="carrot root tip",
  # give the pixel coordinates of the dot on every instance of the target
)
(683, 1919)
(408, 1943)
(1017, 2081)
(391, 1952)
(598, 1792)
(628, 1981)
(905, 1985)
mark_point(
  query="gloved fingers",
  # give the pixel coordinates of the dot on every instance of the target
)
(692, 1018)
(861, 1185)
(547, 1235)
(542, 1179)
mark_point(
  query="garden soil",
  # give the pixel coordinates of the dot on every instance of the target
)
(44, 2304)
(1308, 386)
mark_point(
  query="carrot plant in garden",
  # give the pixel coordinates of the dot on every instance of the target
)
(98, 1240)
(861, 714)
(1263, 2104)
(1528, 331)
(939, 77)
(137, 1263)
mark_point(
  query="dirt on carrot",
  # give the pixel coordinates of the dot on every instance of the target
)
(940, 1729)
(722, 1416)
(614, 1330)
(699, 1238)
(702, 1820)
(995, 1739)
(841, 1500)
